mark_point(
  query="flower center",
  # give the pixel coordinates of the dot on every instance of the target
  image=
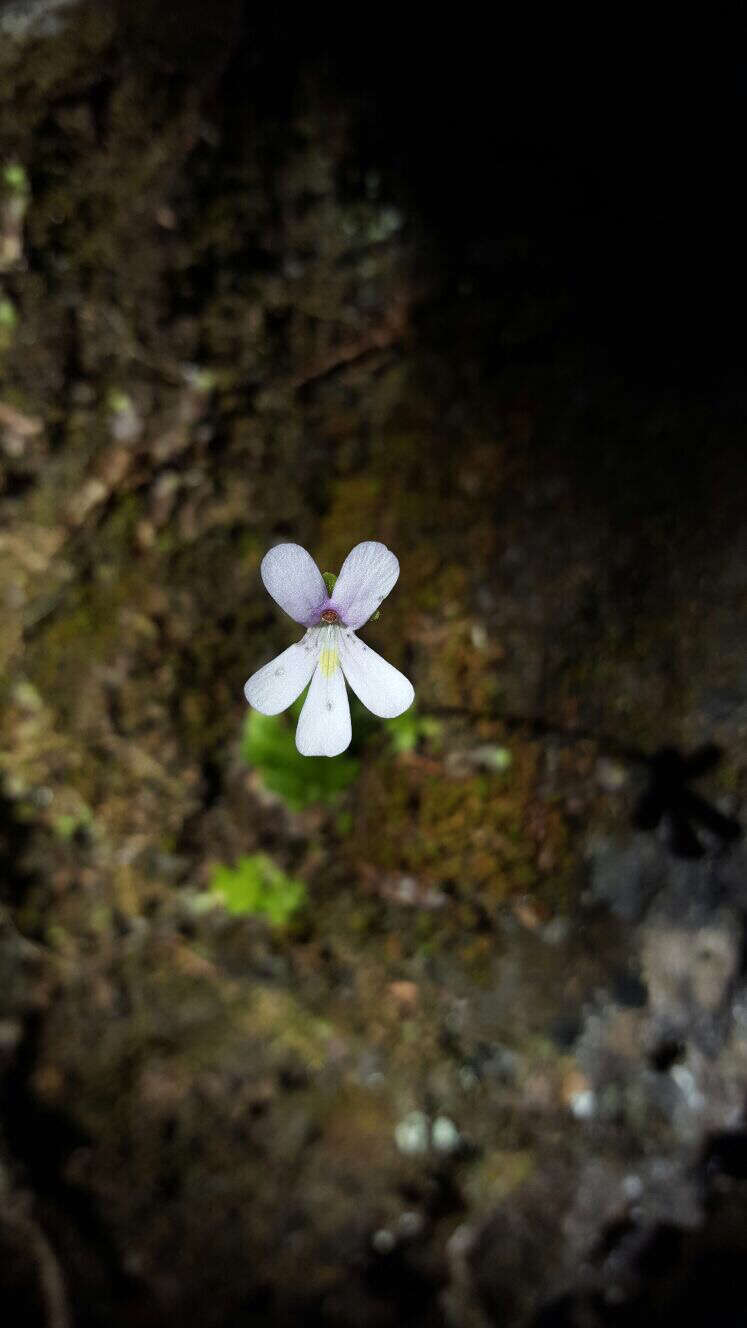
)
(330, 616)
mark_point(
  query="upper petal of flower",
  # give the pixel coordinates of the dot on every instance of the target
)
(275, 686)
(383, 689)
(366, 577)
(324, 723)
(294, 581)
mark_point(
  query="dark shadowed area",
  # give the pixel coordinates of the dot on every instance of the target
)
(449, 1031)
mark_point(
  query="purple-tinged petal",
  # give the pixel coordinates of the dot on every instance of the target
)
(294, 581)
(324, 723)
(383, 689)
(366, 577)
(275, 686)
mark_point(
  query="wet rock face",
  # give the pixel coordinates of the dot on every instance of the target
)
(22, 20)
(490, 1067)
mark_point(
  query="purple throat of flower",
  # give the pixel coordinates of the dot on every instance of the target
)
(329, 616)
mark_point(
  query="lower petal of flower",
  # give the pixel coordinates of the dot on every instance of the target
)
(324, 723)
(383, 689)
(275, 686)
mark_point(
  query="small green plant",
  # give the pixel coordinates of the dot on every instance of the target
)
(118, 401)
(256, 887)
(269, 746)
(14, 179)
(8, 321)
(406, 731)
(69, 824)
(495, 758)
(15, 195)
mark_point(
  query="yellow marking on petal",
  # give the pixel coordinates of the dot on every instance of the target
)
(329, 661)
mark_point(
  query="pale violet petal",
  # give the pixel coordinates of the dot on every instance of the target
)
(294, 581)
(275, 686)
(383, 689)
(324, 723)
(366, 577)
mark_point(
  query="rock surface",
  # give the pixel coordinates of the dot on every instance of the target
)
(494, 1071)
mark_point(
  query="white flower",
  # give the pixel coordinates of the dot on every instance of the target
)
(330, 652)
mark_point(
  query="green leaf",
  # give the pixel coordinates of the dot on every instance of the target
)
(268, 744)
(256, 887)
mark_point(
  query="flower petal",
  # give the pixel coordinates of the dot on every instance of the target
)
(275, 686)
(366, 577)
(294, 581)
(383, 689)
(324, 724)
